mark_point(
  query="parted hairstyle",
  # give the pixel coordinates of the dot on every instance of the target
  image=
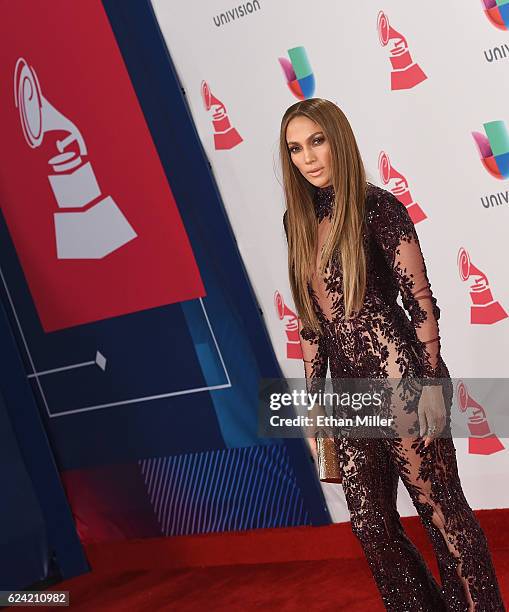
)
(348, 179)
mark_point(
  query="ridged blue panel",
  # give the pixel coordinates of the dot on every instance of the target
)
(224, 490)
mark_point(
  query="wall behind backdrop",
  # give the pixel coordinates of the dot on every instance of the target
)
(425, 92)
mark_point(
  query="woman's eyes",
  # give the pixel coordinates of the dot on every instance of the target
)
(318, 140)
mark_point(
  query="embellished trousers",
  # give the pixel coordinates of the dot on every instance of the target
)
(371, 470)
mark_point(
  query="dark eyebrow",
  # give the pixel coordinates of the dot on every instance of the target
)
(308, 138)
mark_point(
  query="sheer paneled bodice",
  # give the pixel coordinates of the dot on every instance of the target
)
(381, 340)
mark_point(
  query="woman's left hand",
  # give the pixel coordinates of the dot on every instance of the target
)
(431, 412)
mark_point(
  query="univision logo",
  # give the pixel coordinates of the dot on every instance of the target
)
(298, 73)
(497, 11)
(494, 148)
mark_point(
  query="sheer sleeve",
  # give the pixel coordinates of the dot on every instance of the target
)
(397, 238)
(316, 362)
(315, 359)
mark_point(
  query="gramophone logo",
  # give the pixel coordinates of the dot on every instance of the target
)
(92, 218)
(481, 441)
(72, 179)
(286, 314)
(298, 73)
(405, 73)
(484, 310)
(397, 184)
(225, 136)
(494, 148)
(497, 11)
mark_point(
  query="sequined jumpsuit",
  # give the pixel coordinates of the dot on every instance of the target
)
(382, 342)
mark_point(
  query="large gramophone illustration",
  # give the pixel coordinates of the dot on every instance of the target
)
(89, 224)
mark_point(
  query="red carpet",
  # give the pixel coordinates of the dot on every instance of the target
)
(304, 568)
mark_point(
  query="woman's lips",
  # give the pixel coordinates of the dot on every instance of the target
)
(315, 172)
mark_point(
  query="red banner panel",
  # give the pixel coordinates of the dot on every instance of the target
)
(88, 206)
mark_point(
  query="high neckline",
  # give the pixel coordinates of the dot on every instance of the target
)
(324, 202)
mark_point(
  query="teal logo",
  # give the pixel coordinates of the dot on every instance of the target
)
(298, 73)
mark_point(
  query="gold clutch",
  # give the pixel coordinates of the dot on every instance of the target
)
(328, 462)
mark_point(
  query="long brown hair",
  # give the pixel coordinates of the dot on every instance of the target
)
(348, 179)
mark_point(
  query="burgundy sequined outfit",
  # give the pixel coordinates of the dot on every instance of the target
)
(381, 342)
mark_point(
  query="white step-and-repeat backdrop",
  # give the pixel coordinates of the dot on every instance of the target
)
(425, 88)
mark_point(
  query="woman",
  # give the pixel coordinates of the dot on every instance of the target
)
(351, 248)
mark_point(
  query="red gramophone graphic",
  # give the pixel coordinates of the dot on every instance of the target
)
(482, 441)
(80, 234)
(398, 185)
(405, 73)
(484, 309)
(225, 136)
(293, 347)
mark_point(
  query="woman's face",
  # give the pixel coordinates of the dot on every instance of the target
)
(309, 150)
